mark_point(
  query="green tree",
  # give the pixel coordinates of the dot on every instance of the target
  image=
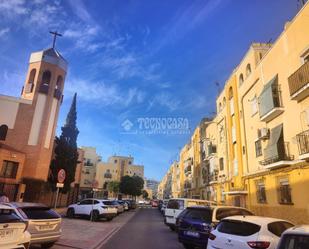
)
(114, 187)
(66, 154)
(145, 194)
(131, 185)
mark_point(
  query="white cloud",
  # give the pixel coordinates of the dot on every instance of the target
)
(13, 7)
(165, 100)
(4, 31)
(80, 10)
(103, 94)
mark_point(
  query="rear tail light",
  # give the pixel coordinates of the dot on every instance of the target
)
(258, 244)
(212, 236)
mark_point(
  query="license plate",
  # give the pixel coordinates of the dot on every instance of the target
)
(4, 234)
(192, 234)
(45, 227)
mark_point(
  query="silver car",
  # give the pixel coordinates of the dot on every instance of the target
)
(44, 224)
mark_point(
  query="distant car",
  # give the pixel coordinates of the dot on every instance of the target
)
(295, 238)
(141, 202)
(163, 206)
(44, 224)
(92, 208)
(124, 204)
(115, 204)
(195, 223)
(13, 230)
(132, 204)
(247, 232)
(154, 203)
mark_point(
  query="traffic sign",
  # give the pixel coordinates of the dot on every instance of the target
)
(59, 185)
(61, 176)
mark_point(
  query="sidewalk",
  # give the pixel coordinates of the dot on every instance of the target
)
(83, 234)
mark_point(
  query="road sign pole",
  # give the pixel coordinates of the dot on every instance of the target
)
(56, 200)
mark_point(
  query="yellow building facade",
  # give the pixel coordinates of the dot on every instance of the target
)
(255, 152)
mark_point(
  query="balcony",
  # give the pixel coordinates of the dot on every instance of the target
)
(213, 177)
(211, 150)
(281, 158)
(57, 94)
(270, 105)
(187, 185)
(303, 145)
(299, 83)
(108, 175)
(188, 170)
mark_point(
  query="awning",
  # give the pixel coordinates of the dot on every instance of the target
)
(271, 151)
(266, 101)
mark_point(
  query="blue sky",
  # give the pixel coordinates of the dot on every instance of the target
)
(137, 59)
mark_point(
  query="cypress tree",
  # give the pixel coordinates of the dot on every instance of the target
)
(66, 154)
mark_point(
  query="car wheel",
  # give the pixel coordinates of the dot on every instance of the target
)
(94, 216)
(70, 213)
(188, 246)
(172, 228)
(47, 245)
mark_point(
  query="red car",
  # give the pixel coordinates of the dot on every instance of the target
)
(154, 203)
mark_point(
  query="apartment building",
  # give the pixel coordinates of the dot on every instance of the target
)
(255, 151)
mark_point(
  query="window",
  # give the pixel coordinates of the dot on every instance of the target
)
(225, 212)
(204, 214)
(239, 228)
(306, 58)
(291, 241)
(241, 79)
(220, 107)
(175, 204)
(37, 213)
(115, 161)
(59, 82)
(258, 148)
(284, 192)
(230, 93)
(254, 106)
(221, 163)
(248, 70)
(224, 102)
(46, 78)
(260, 55)
(29, 86)
(261, 192)
(278, 227)
(9, 169)
(3, 132)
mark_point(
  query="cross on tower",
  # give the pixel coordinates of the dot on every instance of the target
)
(55, 34)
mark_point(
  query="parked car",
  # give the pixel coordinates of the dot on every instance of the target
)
(247, 232)
(195, 223)
(115, 204)
(92, 208)
(175, 206)
(141, 202)
(132, 204)
(44, 224)
(13, 230)
(154, 203)
(295, 238)
(163, 206)
(124, 204)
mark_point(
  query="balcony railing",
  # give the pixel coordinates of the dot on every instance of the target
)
(299, 79)
(283, 155)
(303, 142)
(188, 170)
(214, 176)
(107, 175)
(187, 185)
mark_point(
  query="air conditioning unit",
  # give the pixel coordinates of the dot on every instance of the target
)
(263, 133)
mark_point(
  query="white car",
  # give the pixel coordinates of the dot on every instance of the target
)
(295, 238)
(247, 232)
(92, 208)
(13, 232)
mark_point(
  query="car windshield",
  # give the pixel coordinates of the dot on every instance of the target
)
(8, 215)
(37, 213)
(204, 215)
(239, 228)
(290, 241)
(225, 212)
(109, 203)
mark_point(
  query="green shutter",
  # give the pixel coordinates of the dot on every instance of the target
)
(271, 151)
(266, 98)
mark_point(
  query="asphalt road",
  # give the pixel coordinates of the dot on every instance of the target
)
(145, 230)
